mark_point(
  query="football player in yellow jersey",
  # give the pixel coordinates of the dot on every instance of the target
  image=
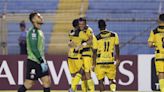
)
(74, 57)
(86, 45)
(156, 40)
(106, 47)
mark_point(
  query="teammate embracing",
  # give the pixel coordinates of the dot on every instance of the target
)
(74, 56)
(87, 37)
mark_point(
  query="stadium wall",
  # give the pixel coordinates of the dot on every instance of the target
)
(134, 72)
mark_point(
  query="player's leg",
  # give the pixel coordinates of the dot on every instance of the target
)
(111, 74)
(77, 72)
(161, 81)
(160, 73)
(84, 83)
(30, 76)
(46, 83)
(101, 85)
(87, 68)
(71, 64)
(27, 85)
(100, 74)
(112, 85)
(45, 78)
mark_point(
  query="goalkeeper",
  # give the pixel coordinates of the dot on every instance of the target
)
(36, 64)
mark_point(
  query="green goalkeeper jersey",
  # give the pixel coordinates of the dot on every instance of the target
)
(35, 44)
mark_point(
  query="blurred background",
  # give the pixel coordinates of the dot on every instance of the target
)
(131, 19)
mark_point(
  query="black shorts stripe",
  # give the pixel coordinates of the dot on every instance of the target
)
(86, 55)
(160, 59)
(105, 63)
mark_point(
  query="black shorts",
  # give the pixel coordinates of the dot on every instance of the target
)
(34, 70)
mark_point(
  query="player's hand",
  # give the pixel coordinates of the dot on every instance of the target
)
(44, 67)
(117, 62)
(43, 64)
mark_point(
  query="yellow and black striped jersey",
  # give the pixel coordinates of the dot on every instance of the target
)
(105, 45)
(85, 35)
(75, 37)
(157, 37)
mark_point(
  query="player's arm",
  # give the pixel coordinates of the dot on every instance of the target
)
(34, 48)
(94, 52)
(117, 50)
(89, 40)
(151, 43)
(94, 58)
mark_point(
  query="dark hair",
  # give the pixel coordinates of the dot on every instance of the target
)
(102, 24)
(31, 16)
(75, 22)
(161, 17)
(83, 19)
(22, 24)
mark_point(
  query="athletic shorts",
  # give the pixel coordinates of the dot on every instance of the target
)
(159, 66)
(74, 65)
(87, 63)
(34, 70)
(103, 70)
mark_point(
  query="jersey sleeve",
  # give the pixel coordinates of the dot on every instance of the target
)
(151, 37)
(116, 39)
(34, 45)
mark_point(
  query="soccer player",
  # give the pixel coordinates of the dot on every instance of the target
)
(36, 64)
(105, 46)
(74, 57)
(156, 40)
(86, 45)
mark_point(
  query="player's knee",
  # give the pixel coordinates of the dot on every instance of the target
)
(161, 75)
(28, 84)
(46, 82)
(83, 77)
(101, 85)
(88, 75)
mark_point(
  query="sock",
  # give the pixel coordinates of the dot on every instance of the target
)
(22, 89)
(113, 87)
(75, 81)
(84, 86)
(46, 89)
(90, 85)
(161, 83)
